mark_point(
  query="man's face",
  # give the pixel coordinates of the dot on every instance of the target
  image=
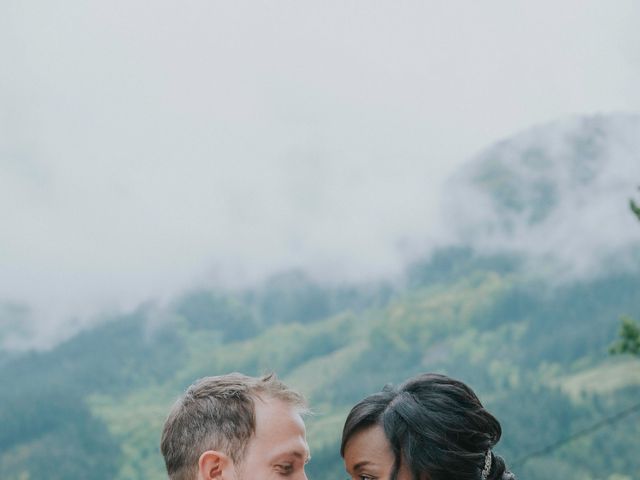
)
(278, 448)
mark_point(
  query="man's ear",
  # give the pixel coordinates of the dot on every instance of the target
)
(213, 465)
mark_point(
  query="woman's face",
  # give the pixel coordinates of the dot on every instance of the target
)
(368, 456)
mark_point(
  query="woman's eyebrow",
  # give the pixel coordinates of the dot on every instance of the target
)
(359, 465)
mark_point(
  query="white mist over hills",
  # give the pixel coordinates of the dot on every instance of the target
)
(558, 193)
(148, 148)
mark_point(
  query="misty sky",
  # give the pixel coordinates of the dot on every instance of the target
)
(148, 146)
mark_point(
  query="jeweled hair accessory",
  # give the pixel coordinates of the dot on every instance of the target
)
(487, 465)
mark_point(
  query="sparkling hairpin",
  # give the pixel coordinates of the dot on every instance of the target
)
(487, 465)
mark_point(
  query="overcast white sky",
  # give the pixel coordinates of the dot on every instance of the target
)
(147, 145)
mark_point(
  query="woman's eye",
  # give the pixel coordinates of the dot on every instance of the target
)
(363, 477)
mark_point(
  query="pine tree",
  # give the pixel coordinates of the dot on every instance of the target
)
(629, 337)
(634, 208)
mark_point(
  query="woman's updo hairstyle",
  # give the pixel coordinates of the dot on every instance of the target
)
(436, 426)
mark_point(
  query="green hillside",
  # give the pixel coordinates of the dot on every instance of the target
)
(535, 353)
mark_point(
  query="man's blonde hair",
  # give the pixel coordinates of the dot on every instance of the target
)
(217, 413)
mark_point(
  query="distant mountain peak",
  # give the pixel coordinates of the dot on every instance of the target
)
(558, 191)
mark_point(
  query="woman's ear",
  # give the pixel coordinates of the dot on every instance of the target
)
(214, 465)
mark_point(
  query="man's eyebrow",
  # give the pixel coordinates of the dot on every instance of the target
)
(306, 456)
(303, 454)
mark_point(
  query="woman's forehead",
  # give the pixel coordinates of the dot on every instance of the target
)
(368, 444)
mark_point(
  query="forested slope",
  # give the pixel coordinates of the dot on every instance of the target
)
(537, 357)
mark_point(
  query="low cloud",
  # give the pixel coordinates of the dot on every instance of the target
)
(144, 149)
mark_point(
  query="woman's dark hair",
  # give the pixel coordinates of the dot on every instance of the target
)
(436, 426)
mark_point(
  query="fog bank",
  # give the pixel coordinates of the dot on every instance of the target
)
(147, 148)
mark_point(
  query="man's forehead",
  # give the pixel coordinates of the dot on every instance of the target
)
(266, 407)
(280, 429)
